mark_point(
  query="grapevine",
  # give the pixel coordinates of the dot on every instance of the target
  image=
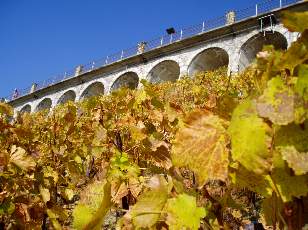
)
(206, 152)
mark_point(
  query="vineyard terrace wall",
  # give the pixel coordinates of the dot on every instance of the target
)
(234, 46)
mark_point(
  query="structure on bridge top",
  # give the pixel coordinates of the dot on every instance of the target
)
(232, 40)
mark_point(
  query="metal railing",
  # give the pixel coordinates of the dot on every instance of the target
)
(164, 40)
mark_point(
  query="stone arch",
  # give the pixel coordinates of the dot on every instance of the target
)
(209, 59)
(167, 70)
(25, 109)
(94, 89)
(44, 104)
(129, 80)
(69, 95)
(254, 45)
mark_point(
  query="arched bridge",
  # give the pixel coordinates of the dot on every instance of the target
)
(232, 40)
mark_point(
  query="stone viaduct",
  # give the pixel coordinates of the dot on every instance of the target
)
(233, 43)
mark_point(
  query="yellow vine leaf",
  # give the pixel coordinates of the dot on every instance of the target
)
(201, 146)
(118, 191)
(135, 186)
(99, 215)
(298, 161)
(295, 21)
(95, 202)
(21, 159)
(6, 109)
(148, 209)
(250, 138)
(183, 213)
(45, 194)
(82, 214)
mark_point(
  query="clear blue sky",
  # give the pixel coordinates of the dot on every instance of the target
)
(42, 38)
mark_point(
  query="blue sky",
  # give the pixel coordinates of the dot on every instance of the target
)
(42, 38)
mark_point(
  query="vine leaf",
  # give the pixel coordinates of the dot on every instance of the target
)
(94, 203)
(295, 55)
(301, 94)
(158, 151)
(241, 177)
(295, 22)
(146, 212)
(271, 207)
(82, 214)
(250, 138)
(100, 213)
(118, 191)
(277, 102)
(53, 216)
(137, 132)
(45, 194)
(69, 193)
(135, 186)
(183, 213)
(296, 160)
(21, 159)
(301, 86)
(288, 186)
(292, 143)
(201, 145)
(6, 109)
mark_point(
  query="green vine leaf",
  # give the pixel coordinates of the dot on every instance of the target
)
(295, 55)
(292, 142)
(201, 145)
(288, 186)
(250, 138)
(301, 94)
(271, 208)
(243, 178)
(183, 213)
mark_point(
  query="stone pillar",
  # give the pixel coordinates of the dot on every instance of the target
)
(78, 70)
(230, 17)
(33, 87)
(141, 47)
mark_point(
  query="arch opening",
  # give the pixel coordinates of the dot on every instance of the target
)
(254, 45)
(208, 59)
(44, 105)
(25, 109)
(95, 89)
(67, 96)
(164, 71)
(129, 80)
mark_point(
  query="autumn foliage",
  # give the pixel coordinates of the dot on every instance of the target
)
(209, 152)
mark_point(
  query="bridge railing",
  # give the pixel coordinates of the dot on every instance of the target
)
(164, 40)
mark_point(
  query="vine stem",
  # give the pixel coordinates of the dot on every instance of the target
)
(150, 212)
(217, 207)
